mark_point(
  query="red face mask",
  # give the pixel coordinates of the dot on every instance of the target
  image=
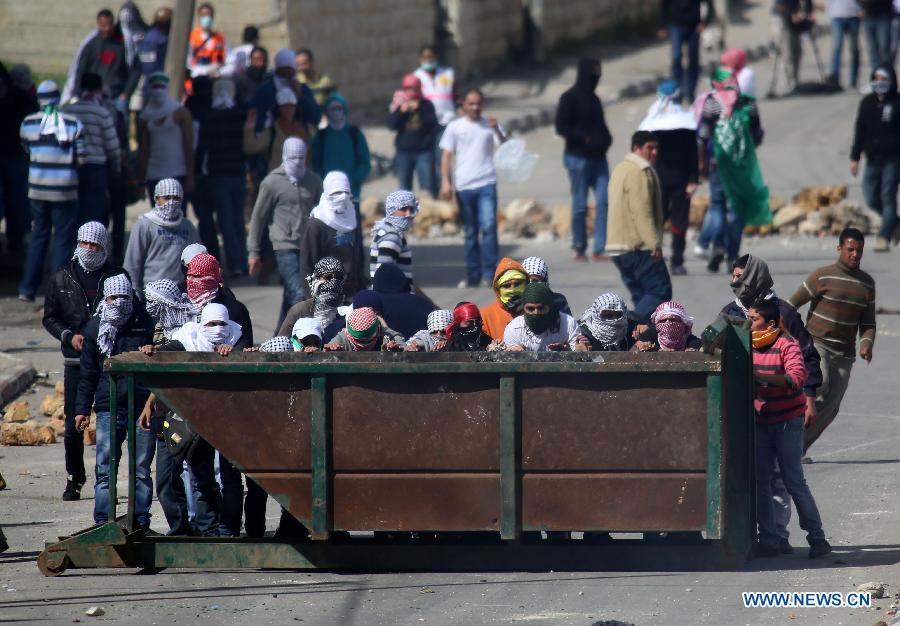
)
(202, 289)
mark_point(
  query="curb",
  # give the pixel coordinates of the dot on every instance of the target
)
(15, 377)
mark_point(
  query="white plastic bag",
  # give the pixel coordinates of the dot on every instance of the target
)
(513, 163)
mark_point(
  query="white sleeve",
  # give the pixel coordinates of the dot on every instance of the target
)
(572, 328)
(448, 140)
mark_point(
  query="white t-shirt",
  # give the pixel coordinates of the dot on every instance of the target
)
(472, 143)
(517, 333)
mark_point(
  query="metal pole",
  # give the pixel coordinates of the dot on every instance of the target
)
(177, 53)
(113, 457)
(132, 455)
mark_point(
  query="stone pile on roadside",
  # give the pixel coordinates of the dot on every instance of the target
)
(19, 428)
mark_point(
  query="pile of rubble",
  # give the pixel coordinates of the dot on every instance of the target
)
(20, 429)
(436, 218)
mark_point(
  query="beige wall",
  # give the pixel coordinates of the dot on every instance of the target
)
(575, 20)
(484, 32)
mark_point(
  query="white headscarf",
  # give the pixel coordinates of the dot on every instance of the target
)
(335, 208)
(293, 158)
(113, 316)
(536, 266)
(52, 123)
(606, 332)
(666, 113)
(304, 327)
(197, 337)
(192, 250)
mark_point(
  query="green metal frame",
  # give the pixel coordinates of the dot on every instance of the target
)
(730, 514)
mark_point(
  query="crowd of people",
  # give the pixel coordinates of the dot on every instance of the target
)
(283, 140)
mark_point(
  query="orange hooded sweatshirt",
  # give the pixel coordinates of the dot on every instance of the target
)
(495, 316)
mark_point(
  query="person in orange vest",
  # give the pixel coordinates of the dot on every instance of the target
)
(207, 47)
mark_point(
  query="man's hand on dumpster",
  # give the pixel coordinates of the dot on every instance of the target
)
(332, 347)
(308, 349)
(224, 349)
(81, 422)
(582, 344)
(639, 330)
(515, 348)
(392, 346)
(148, 350)
(810, 415)
(412, 346)
(558, 347)
(252, 349)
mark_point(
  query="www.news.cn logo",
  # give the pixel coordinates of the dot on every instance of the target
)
(795, 600)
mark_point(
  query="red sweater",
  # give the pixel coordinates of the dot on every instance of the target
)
(779, 404)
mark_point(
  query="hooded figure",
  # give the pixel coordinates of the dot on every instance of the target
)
(389, 243)
(364, 330)
(735, 60)
(340, 146)
(214, 329)
(169, 306)
(581, 122)
(159, 237)
(403, 311)
(754, 283)
(605, 324)
(115, 310)
(877, 135)
(332, 231)
(326, 287)
(542, 327)
(673, 328)
(508, 284)
(466, 334)
(305, 328)
(434, 336)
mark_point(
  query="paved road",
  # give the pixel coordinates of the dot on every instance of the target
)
(854, 477)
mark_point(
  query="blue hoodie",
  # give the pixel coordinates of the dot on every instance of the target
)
(344, 150)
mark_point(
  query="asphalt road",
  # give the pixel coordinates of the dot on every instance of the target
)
(854, 476)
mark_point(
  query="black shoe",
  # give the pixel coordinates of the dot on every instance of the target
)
(785, 547)
(714, 262)
(766, 550)
(73, 491)
(819, 548)
(4, 546)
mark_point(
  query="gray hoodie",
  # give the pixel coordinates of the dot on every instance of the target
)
(283, 208)
(154, 251)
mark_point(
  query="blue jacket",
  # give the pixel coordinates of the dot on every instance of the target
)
(93, 384)
(152, 54)
(308, 112)
(794, 325)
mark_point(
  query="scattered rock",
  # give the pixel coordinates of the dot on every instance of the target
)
(16, 412)
(874, 588)
(29, 433)
(60, 388)
(426, 590)
(90, 433)
(699, 207)
(814, 198)
(95, 611)
(788, 216)
(53, 405)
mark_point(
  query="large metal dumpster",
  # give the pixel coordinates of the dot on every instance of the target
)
(453, 443)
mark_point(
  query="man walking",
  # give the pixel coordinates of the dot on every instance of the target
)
(469, 142)
(680, 22)
(841, 301)
(580, 121)
(104, 157)
(105, 55)
(844, 17)
(56, 148)
(877, 135)
(286, 197)
(635, 226)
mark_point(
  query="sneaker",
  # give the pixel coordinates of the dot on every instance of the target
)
(700, 251)
(24, 298)
(678, 270)
(580, 257)
(765, 550)
(3, 546)
(465, 283)
(487, 283)
(72, 492)
(819, 548)
(882, 245)
(806, 460)
(599, 257)
(785, 546)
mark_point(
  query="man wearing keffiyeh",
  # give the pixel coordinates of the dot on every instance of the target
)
(204, 286)
(120, 325)
(72, 295)
(604, 325)
(673, 329)
(389, 243)
(326, 288)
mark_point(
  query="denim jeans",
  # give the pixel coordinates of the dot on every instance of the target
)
(227, 194)
(679, 36)
(423, 165)
(145, 446)
(93, 187)
(206, 503)
(231, 502)
(845, 27)
(170, 490)
(647, 280)
(878, 40)
(47, 217)
(721, 225)
(783, 442)
(478, 212)
(73, 440)
(585, 174)
(14, 201)
(880, 182)
(288, 262)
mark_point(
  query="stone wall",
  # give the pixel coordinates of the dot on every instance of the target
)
(482, 33)
(576, 20)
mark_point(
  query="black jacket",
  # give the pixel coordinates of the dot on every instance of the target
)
(93, 384)
(415, 129)
(108, 59)
(66, 306)
(237, 312)
(319, 240)
(676, 163)
(579, 115)
(793, 322)
(14, 106)
(685, 13)
(405, 312)
(877, 8)
(596, 346)
(877, 131)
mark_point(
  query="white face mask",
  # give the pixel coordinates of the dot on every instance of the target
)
(158, 95)
(881, 87)
(340, 202)
(216, 335)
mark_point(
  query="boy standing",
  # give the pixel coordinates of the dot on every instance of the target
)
(779, 375)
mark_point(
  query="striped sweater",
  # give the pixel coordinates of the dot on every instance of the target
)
(842, 304)
(779, 404)
(52, 174)
(100, 139)
(389, 246)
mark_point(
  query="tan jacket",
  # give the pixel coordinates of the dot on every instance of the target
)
(635, 207)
